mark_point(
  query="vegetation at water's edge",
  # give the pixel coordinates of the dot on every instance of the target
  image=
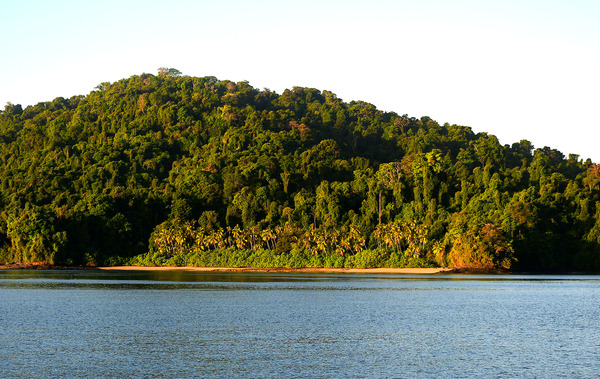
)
(171, 169)
(264, 258)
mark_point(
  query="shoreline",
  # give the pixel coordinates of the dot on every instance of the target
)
(381, 270)
(324, 270)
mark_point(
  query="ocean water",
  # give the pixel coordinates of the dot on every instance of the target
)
(297, 325)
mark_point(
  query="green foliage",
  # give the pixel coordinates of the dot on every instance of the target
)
(178, 170)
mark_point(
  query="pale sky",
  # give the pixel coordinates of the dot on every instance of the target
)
(522, 69)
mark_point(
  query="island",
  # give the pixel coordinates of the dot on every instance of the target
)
(180, 171)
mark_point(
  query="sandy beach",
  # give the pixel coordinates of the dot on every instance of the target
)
(435, 270)
(383, 270)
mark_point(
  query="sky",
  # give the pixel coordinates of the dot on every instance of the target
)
(522, 69)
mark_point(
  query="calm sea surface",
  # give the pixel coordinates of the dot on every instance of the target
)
(189, 324)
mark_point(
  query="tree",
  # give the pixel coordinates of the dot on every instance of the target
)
(31, 235)
(170, 72)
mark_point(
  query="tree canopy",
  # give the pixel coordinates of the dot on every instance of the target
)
(180, 166)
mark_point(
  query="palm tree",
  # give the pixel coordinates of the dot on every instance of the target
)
(199, 238)
(356, 240)
(307, 239)
(239, 237)
(378, 234)
(227, 236)
(253, 234)
(345, 244)
(397, 236)
(268, 235)
(334, 239)
(321, 241)
(221, 238)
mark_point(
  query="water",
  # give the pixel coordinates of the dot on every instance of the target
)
(189, 324)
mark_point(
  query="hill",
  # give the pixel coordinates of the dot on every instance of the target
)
(179, 169)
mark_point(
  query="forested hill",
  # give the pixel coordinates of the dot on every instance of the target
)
(182, 166)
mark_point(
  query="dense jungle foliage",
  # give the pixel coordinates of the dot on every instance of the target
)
(172, 169)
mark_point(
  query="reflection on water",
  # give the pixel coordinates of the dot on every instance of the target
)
(224, 324)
